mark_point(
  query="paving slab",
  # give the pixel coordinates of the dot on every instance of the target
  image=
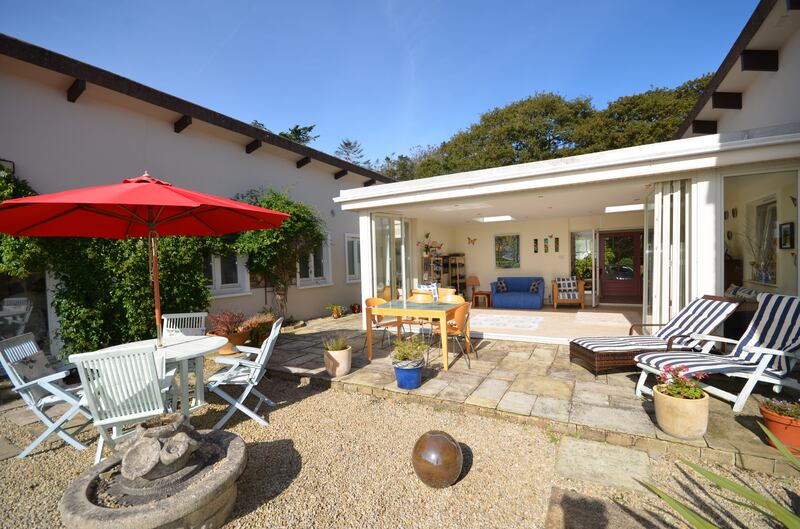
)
(590, 397)
(570, 373)
(8, 449)
(369, 377)
(542, 386)
(550, 408)
(431, 387)
(602, 463)
(604, 389)
(738, 434)
(460, 387)
(515, 402)
(568, 509)
(503, 374)
(488, 393)
(615, 419)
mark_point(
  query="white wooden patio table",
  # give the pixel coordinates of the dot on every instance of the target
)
(179, 350)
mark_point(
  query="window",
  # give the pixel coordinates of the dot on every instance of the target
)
(316, 271)
(226, 275)
(352, 257)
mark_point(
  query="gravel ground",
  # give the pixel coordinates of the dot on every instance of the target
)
(335, 459)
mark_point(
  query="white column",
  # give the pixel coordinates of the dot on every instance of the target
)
(707, 240)
(365, 234)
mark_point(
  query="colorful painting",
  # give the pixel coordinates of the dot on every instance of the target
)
(546, 245)
(536, 246)
(506, 251)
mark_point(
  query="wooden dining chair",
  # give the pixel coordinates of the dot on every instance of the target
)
(455, 329)
(377, 321)
(420, 297)
(452, 298)
(444, 292)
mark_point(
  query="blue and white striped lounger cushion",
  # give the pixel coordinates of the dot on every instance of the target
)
(701, 316)
(776, 325)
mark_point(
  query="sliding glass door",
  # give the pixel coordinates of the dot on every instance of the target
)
(391, 259)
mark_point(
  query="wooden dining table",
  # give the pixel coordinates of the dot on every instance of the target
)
(401, 309)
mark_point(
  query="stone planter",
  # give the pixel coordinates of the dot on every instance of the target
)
(786, 429)
(681, 418)
(337, 363)
(235, 339)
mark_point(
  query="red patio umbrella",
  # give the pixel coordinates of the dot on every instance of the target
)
(137, 207)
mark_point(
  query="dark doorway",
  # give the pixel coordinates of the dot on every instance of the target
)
(621, 267)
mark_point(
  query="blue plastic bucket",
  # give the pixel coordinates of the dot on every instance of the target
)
(408, 378)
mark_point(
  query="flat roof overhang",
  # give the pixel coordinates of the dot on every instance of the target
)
(653, 160)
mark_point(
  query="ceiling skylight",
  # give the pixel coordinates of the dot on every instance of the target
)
(498, 218)
(627, 207)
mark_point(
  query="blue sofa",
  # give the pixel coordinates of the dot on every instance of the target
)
(519, 295)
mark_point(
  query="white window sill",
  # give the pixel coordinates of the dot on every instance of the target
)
(315, 285)
(352, 281)
(223, 295)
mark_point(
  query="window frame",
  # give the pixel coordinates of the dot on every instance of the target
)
(355, 278)
(220, 290)
(326, 279)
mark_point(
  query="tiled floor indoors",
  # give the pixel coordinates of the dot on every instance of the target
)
(536, 383)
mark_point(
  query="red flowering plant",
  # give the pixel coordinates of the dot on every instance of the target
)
(674, 382)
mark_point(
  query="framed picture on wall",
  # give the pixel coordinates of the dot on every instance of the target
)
(546, 245)
(506, 251)
(536, 246)
(786, 235)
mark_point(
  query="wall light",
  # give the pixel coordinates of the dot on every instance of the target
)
(499, 218)
(628, 207)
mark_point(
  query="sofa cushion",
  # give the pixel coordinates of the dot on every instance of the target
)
(501, 286)
(534, 287)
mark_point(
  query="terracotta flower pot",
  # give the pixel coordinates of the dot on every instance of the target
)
(681, 418)
(786, 429)
(235, 339)
(337, 363)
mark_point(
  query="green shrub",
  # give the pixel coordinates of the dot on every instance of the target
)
(412, 349)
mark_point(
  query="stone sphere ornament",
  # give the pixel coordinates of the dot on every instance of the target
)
(437, 459)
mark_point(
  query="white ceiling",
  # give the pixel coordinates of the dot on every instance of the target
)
(570, 201)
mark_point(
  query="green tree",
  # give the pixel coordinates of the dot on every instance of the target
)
(351, 151)
(19, 256)
(273, 254)
(536, 128)
(650, 117)
(300, 134)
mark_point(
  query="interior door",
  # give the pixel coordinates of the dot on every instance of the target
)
(620, 267)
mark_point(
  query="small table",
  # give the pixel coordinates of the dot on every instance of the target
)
(179, 350)
(400, 309)
(482, 294)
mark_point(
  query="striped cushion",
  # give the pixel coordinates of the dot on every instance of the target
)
(432, 288)
(609, 344)
(776, 325)
(701, 363)
(701, 316)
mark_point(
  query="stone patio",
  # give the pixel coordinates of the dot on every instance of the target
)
(534, 383)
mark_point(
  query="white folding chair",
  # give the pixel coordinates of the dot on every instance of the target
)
(123, 386)
(184, 324)
(767, 353)
(37, 380)
(247, 373)
(18, 313)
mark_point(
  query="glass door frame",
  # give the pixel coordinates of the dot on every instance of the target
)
(404, 255)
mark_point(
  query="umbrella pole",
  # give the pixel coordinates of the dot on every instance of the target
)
(152, 239)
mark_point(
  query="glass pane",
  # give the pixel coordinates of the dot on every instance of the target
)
(619, 258)
(207, 271)
(304, 268)
(229, 270)
(647, 247)
(353, 257)
(23, 308)
(759, 220)
(319, 267)
(383, 257)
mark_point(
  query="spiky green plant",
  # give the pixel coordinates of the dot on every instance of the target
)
(747, 497)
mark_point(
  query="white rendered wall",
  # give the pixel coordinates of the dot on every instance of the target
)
(105, 137)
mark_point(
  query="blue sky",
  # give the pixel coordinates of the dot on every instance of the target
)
(389, 73)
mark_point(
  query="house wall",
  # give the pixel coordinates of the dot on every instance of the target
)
(770, 99)
(106, 136)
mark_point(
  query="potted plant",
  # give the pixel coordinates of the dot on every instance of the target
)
(407, 360)
(335, 310)
(782, 418)
(681, 404)
(258, 326)
(228, 324)
(338, 356)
